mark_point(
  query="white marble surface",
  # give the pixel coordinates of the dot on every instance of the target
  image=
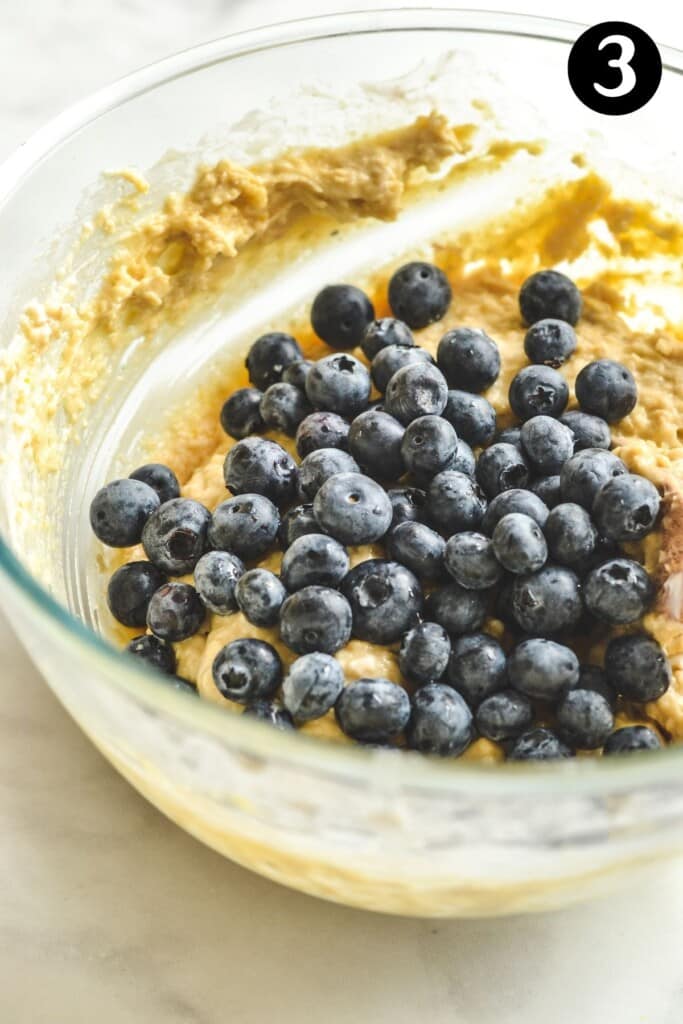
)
(110, 913)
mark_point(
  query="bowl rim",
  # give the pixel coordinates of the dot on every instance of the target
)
(366, 766)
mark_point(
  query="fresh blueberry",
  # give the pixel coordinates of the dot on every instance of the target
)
(419, 294)
(547, 488)
(589, 431)
(321, 430)
(297, 522)
(130, 591)
(591, 677)
(515, 500)
(373, 710)
(547, 444)
(247, 670)
(471, 416)
(283, 407)
(246, 526)
(632, 738)
(518, 544)
(339, 383)
(424, 654)
(510, 435)
(269, 357)
(441, 722)
(548, 294)
(584, 474)
(504, 716)
(215, 577)
(456, 609)
(241, 413)
(618, 592)
(584, 719)
(538, 391)
(470, 560)
(572, 538)
(464, 460)
(393, 358)
(503, 602)
(429, 446)
(270, 712)
(153, 652)
(455, 502)
(551, 342)
(385, 599)
(119, 511)
(259, 466)
(606, 389)
(340, 315)
(175, 612)
(260, 595)
(315, 619)
(353, 509)
(320, 465)
(314, 559)
(175, 536)
(408, 504)
(419, 548)
(626, 508)
(547, 601)
(160, 478)
(477, 667)
(312, 685)
(381, 333)
(539, 745)
(637, 667)
(501, 467)
(417, 390)
(296, 373)
(375, 440)
(468, 359)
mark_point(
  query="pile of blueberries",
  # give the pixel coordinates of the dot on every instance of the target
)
(526, 531)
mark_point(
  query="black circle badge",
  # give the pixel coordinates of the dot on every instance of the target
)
(614, 68)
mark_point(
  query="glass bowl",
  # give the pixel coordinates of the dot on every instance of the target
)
(376, 829)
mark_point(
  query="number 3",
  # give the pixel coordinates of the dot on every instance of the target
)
(623, 62)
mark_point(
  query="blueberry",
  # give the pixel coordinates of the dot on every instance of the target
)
(551, 342)
(160, 478)
(269, 357)
(296, 373)
(626, 508)
(637, 667)
(215, 577)
(618, 592)
(547, 488)
(314, 559)
(315, 619)
(503, 602)
(385, 600)
(470, 560)
(153, 652)
(546, 443)
(417, 390)
(518, 544)
(393, 358)
(259, 466)
(260, 595)
(455, 502)
(247, 670)
(584, 474)
(419, 294)
(119, 511)
(441, 722)
(381, 333)
(538, 391)
(515, 500)
(130, 590)
(297, 522)
(547, 601)
(501, 467)
(464, 460)
(268, 711)
(632, 738)
(353, 509)
(549, 294)
(375, 440)
(321, 430)
(471, 416)
(241, 413)
(584, 719)
(339, 383)
(175, 536)
(424, 654)
(246, 526)
(571, 536)
(373, 710)
(320, 465)
(408, 505)
(456, 609)
(419, 548)
(175, 612)
(510, 435)
(283, 407)
(340, 315)
(539, 745)
(504, 716)
(312, 685)
(589, 431)
(591, 677)
(606, 389)
(468, 359)
(429, 446)
(477, 667)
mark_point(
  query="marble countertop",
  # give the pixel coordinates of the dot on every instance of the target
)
(109, 912)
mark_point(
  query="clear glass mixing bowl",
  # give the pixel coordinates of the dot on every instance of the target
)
(371, 828)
